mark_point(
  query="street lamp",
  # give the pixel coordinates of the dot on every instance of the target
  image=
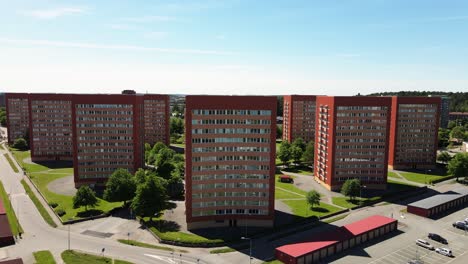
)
(250, 247)
(180, 258)
(360, 192)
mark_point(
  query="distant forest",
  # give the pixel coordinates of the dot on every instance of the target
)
(458, 101)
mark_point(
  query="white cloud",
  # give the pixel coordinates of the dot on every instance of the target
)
(146, 19)
(53, 12)
(155, 34)
(84, 45)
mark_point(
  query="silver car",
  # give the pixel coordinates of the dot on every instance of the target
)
(425, 244)
(444, 251)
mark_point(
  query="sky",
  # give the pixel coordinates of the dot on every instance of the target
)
(275, 47)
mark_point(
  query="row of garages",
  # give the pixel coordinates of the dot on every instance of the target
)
(6, 236)
(440, 204)
(330, 243)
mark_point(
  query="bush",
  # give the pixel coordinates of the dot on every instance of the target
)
(21, 144)
(53, 204)
(60, 211)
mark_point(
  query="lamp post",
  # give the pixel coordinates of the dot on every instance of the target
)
(250, 247)
(360, 192)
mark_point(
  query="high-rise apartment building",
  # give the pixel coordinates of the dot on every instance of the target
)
(351, 140)
(17, 107)
(414, 132)
(299, 117)
(230, 160)
(444, 111)
(156, 118)
(51, 136)
(99, 132)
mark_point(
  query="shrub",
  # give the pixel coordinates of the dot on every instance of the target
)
(53, 204)
(60, 211)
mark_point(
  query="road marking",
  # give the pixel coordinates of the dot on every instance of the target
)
(168, 260)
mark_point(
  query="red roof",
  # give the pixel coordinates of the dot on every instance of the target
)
(299, 249)
(367, 224)
(2, 208)
(325, 239)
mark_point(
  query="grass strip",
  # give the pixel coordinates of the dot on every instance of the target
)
(74, 257)
(12, 164)
(38, 205)
(14, 223)
(1, 147)
(44, 257)
(145, 245)
(222, 250)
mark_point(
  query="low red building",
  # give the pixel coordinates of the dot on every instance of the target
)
(440, 204)
(6, 236)
(329, 243)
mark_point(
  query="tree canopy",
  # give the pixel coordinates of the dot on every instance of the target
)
(458, 166)
(351, 188)
(313, 198)
(309, 153)
(85, 197)
(444, 157)
(20, 143)
(284, 153)
(120, 186)
(150, 198)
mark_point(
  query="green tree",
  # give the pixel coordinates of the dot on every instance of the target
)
(299, 142)
(444, 157)
(284, 153)
(147, 147)
(85, 197)
(176, 125)
(157, 147)
(279, 131)
(120, 186)
(451, 124)
(150, 198)
(164, 162)
(351, 188)
(296, 154)
(458, 166)
(3, 121)
(175, 184)
(458, 133)
(313, 198)
(140, 176)
(20, 143)
(444, 136)
(309, 153)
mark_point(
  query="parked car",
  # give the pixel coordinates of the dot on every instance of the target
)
(444, 251)
(466, 221)
(437, 238)
(459, 224)
(425, 244)
(415, 261)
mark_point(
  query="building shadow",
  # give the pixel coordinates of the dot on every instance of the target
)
(59, 164)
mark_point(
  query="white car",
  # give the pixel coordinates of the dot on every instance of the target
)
(425, 244)
(444, 251)
(466, 221)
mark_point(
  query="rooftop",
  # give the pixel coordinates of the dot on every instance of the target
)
(439, 199)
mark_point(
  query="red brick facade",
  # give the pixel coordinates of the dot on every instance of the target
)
(99, 132)
(299, 117)
(230, 160)
(351, 140)
(414, 132)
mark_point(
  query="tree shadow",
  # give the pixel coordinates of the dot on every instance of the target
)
(89, 213)
(163, 225)
(319, 209)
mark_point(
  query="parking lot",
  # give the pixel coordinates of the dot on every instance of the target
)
(401, 248)
(413, 251)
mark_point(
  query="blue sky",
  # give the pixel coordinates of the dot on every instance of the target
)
(234, 46)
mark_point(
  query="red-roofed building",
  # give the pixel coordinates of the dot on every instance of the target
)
(335, 241)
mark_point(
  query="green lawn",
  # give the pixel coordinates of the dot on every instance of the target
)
(14, 224)
(399, 186)
(420, 177)
(273, 262)
(145, 245)
(178, 145)
(302, 208)
(1, 147)
(222, 250)
(392, 174)
(281, 194)
(42, 175)
(12, 164)
(288, 186)
(303, 170)
(44, 257)
(38, 205)
(346, 202)
(73, 257)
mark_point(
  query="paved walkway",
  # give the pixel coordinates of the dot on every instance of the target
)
(64, 186)
(403, 179)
